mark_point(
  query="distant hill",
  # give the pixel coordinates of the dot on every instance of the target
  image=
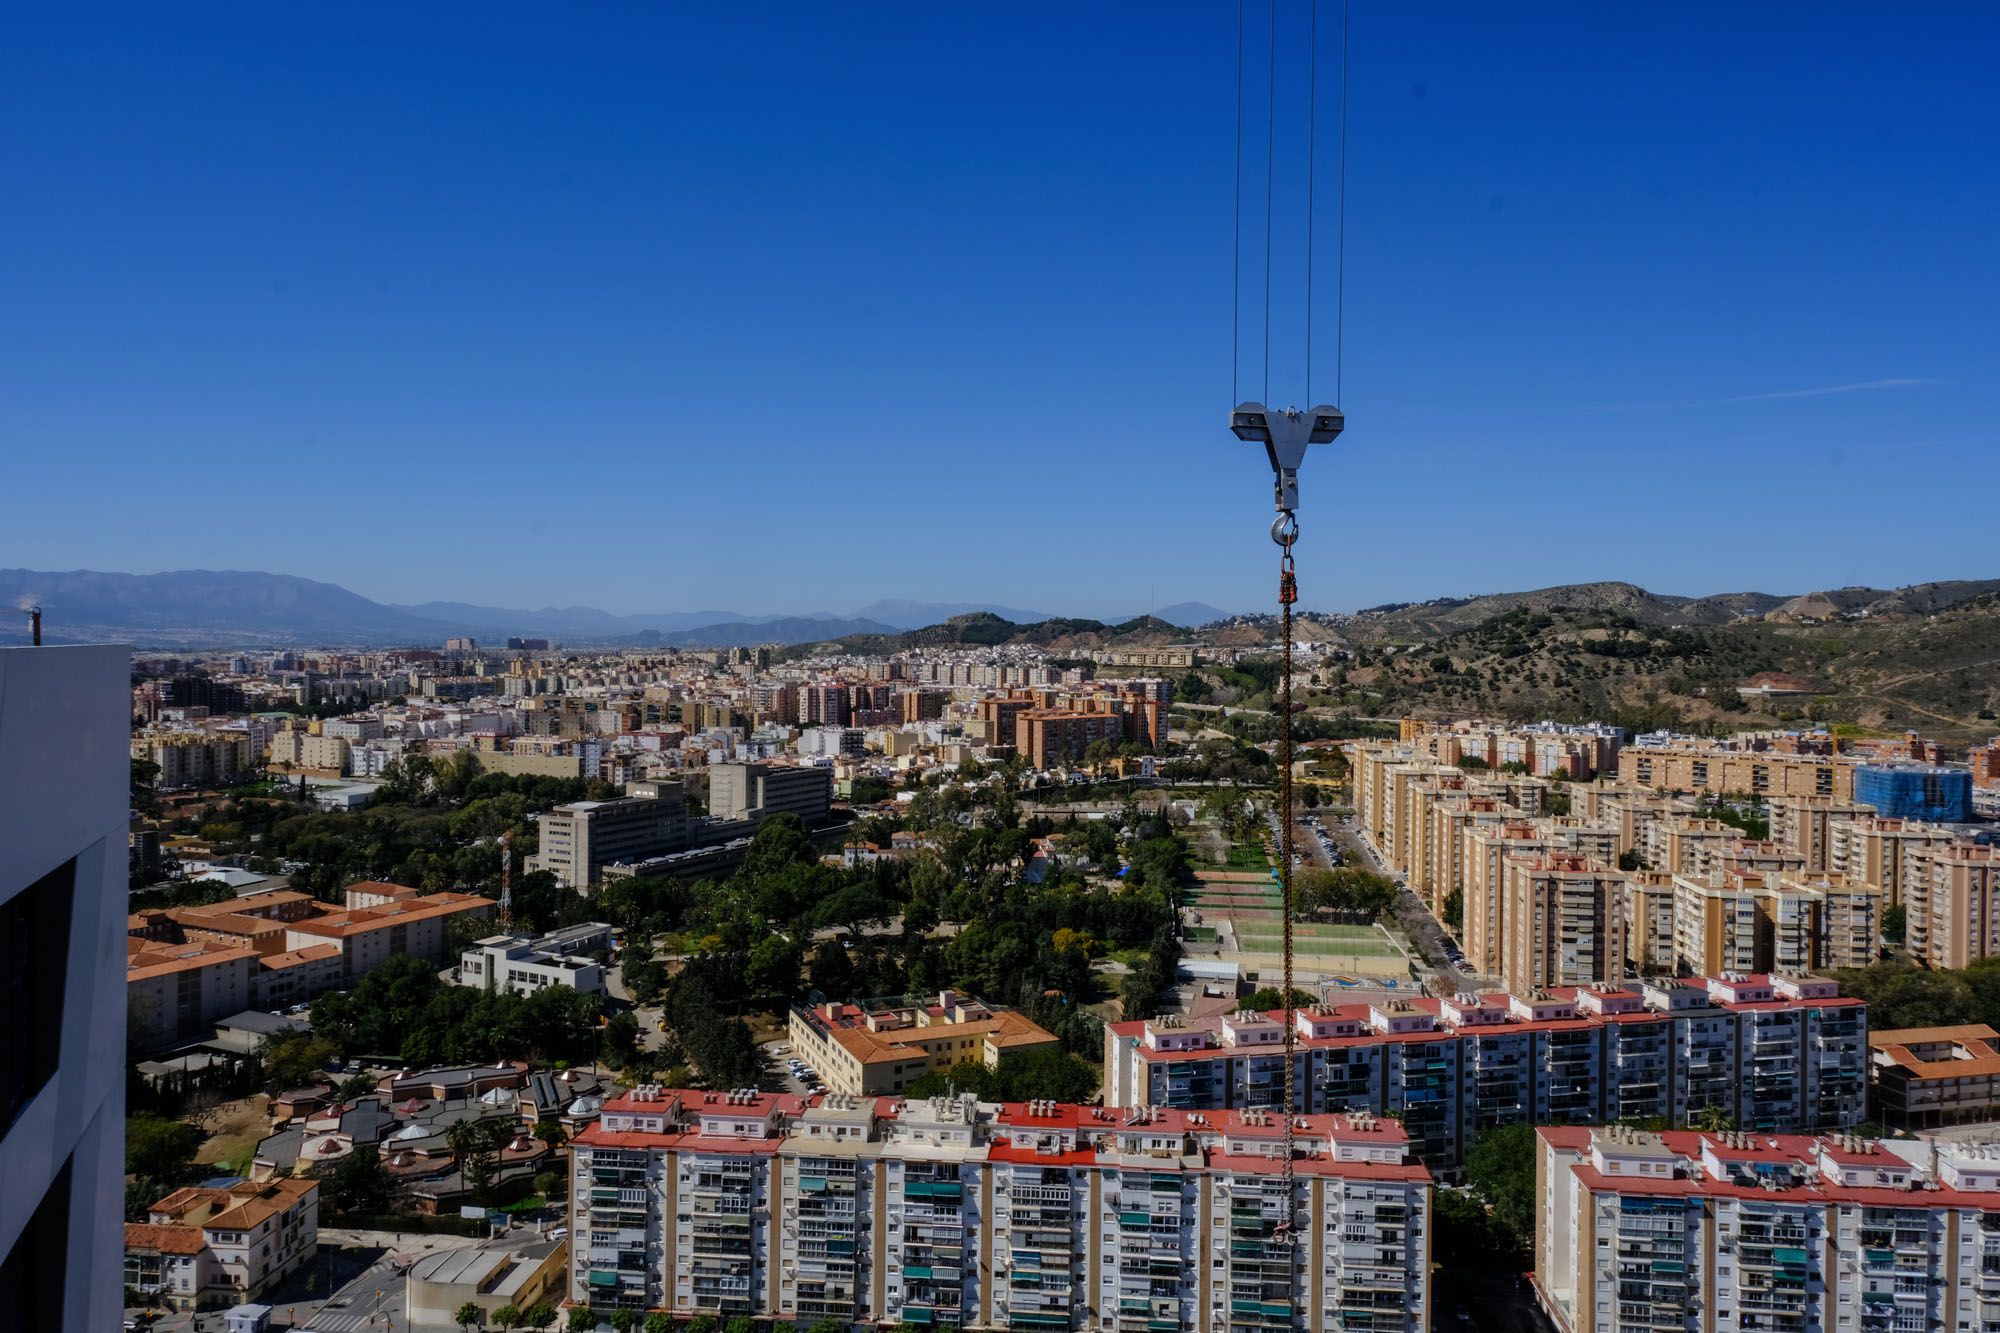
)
(984, 629)
(1191, 613)
(750, 634)
(1926, 656)
(243, 608)
(903, 614)
(567, 622)
(203, 606)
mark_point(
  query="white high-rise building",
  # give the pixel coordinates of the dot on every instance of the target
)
(1743, 1233)
(64, 774)
(952, 1213)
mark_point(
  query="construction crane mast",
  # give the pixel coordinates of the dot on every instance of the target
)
(507, 879)
(1286, 434)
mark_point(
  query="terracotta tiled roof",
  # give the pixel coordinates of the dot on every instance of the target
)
(168, 1239)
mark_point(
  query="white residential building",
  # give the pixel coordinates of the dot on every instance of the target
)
(953, 1213)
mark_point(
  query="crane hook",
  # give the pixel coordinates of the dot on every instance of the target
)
(1285, 528)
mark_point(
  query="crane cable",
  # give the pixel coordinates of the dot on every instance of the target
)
(1285, 530)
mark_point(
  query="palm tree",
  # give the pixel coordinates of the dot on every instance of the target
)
(1713, 1120)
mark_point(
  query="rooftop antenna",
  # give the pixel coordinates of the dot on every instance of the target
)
(35, 624)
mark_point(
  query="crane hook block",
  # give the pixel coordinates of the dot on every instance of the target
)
(1285, 436)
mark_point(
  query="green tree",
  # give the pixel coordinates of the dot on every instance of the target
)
(582, 1317)
(1895, 924)
(1501, 1170)
(622, 1321)
(539, 1316)
(1273, 997)
(160, 1150)
(742, 1323)
(659, 1322)
(506, 1317)
(1713, 1119)
(360, 1183)
(295, 1059)
(468, 1316)
(551, 1132)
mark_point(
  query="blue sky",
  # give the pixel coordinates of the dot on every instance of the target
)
(790, 307)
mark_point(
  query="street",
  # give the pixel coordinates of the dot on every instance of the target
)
(376, 1299)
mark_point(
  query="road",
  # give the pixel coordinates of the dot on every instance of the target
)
(377, 1299)
(1423, 930)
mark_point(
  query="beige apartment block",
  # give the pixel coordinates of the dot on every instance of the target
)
(1956, 919)
(1716, 924)
(1846, 923)
(1563, 923)
(1751, 772)
(1633, 809)
(1883, 852)
(1649, 923)
(1487, 851)
(1684, 846)
(1804, 824)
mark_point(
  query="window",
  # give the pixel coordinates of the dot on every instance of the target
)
(34, 971)
(32, 1273)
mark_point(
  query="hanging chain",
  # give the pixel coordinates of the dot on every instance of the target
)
(1288, 593)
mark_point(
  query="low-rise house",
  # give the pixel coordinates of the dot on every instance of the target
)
(201, 1248)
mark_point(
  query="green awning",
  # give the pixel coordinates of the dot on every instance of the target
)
(599, 1278)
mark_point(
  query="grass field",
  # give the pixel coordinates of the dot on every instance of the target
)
(1258, 942)
(1243, 856)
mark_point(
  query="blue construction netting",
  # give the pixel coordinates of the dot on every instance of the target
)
(1916, 791)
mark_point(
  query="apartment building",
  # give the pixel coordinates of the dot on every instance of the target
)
(578, 840)
(756, 791)
(297, 750)
(205, 1248)
(1776, 1053)
(176, 992)
(1649, 923)
(1927, 1078)
(367, 937)
(522, 964)
(1953, 904)
(1050, 737)
(1631, 810)
(953, 1213)
(1804, 825)
(1563, 923)
(1883, 852)
(1488, 849)
(1734, 1232)
(65, 751)
(196, 758)
(879, 1047)
(1719, 923)
(1702, 767)
(1751, 921)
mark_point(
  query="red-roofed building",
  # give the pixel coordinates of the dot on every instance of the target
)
(950, 1212)
(1779, 1054)
(1733, 1232)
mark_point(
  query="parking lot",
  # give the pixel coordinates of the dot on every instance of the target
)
(789, 1072)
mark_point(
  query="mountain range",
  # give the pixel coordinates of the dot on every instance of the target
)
(241, 608)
